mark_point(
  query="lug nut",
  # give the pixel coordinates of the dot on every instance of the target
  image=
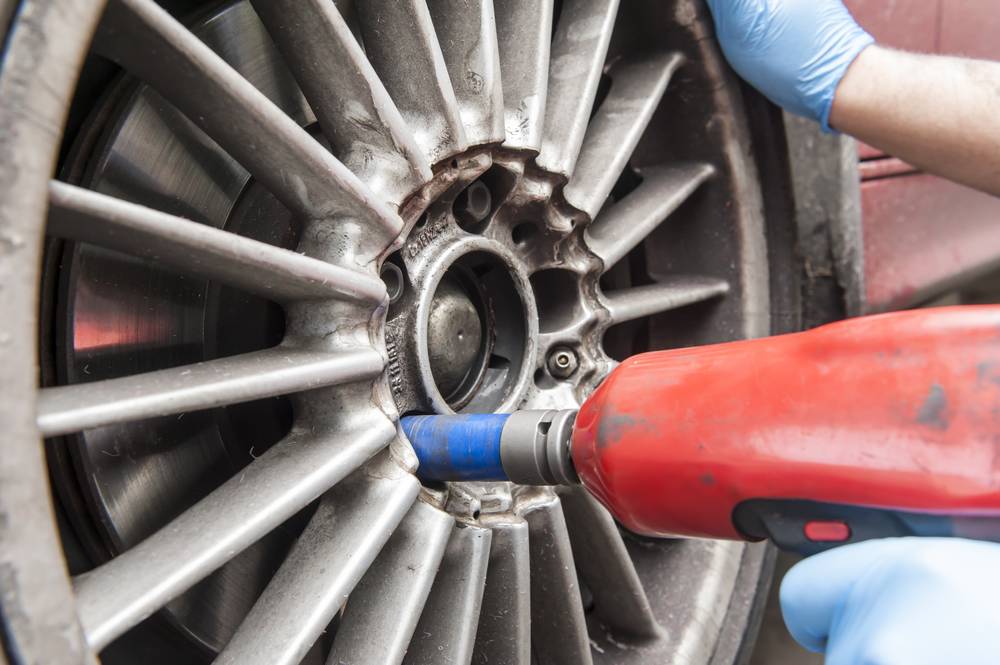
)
(562, 363)
(473, 205)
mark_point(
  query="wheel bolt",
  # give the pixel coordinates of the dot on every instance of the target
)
(562, 362)
(473, 205)
(392, 276)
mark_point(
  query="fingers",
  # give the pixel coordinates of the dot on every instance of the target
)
(793, 51)
(815, 590)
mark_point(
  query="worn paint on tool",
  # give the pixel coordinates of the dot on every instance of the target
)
(457, 447)
(854, 414)
(933, 413)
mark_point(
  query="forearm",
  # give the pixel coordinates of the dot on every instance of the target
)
(940, 114)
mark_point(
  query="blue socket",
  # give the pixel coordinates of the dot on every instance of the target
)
(457, 447)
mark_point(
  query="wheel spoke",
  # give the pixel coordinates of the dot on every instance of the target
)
(579, 48)
(670, 294)
(524, 33)
(467, 32)
(559, 628)
(357, 115)
(695, 580)
(148, 42)
(604, 565)
(401, 43)
(119, 594)
(446, 632)
(622, 226)
(354, 520)
(504, 633)
(382, 613)
(202, 251)
(614, 132)
(243, 378)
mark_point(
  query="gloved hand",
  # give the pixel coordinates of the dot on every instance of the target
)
(905, 601)
(794, 51)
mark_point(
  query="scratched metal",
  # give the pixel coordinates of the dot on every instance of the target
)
(437, 172)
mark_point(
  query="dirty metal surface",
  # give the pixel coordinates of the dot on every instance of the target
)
(187, 493)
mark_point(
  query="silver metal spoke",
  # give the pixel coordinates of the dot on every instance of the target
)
(504, 633)
(524, 33)
(467, 33)
(202, 251)
(579, 48)
(358, 117)
(622, 226)
(672, 293)
(148, 42)
(121, 593)
(559, 628)
(382, 613)
(614, 132)
(277, 371)
(403, 47)
(446, 632)
(352, 523)
(604, 565)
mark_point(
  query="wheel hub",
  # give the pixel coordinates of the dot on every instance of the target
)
(455, 339)
(462, 336)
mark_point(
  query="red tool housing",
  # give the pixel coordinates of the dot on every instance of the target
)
(889, 416)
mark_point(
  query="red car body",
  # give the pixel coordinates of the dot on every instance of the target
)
(922, 234)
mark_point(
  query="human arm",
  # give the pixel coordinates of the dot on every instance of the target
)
(906, 601)
(812, 58)
(938, 113)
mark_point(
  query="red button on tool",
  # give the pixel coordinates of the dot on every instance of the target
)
(827, 532)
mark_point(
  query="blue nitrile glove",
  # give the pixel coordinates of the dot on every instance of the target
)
(794, 51)
(904, 601)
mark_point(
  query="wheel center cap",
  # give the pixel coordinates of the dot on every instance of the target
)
(454, 338)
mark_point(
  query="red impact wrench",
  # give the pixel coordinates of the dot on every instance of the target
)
(874, 427)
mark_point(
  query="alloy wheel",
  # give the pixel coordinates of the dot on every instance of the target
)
(290, 221)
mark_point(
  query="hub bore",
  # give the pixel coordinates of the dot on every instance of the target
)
(454, 339)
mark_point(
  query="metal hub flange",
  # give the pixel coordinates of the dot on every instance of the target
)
(455, 279)
(523, 266)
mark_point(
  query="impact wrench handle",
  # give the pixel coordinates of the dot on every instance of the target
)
(874, 427)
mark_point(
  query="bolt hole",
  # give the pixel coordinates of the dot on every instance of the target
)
(543, 380)
(473, 206)
(392, 277)
(524, 233)
(421, 223)
(475, 514)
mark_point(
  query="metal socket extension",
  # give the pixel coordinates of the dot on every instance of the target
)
(535, 448)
